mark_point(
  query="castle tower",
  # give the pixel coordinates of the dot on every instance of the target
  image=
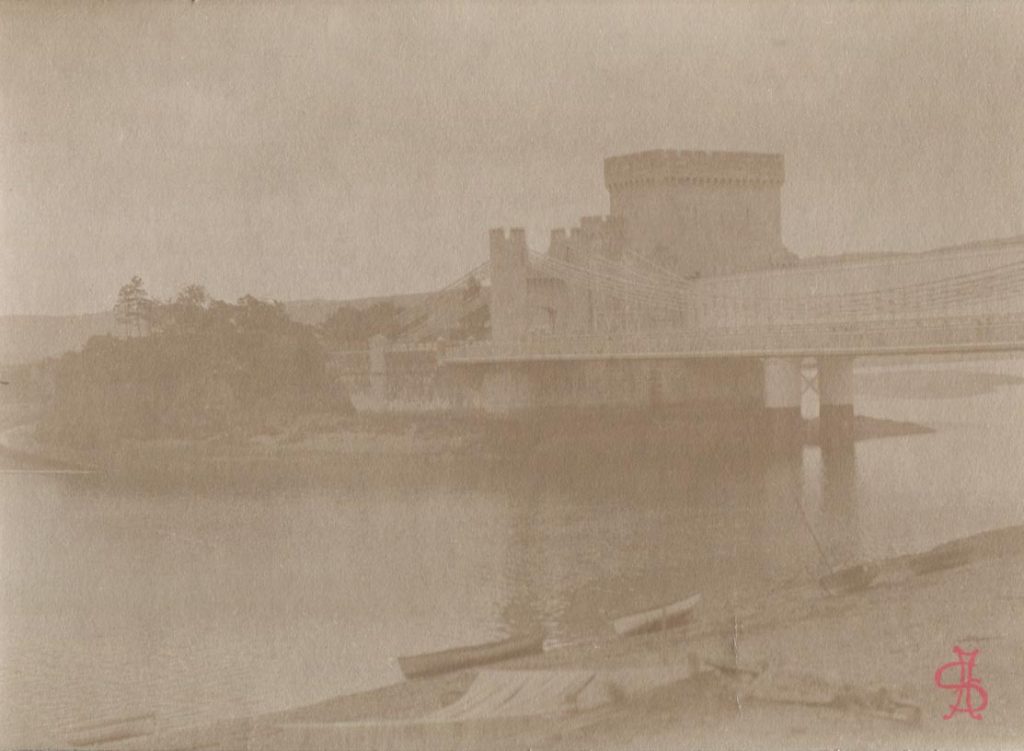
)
(510, 309)
(697, 212)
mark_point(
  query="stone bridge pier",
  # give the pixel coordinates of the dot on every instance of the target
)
(783, 393)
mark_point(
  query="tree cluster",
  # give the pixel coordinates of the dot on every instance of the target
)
(353, 327)
(190, 366)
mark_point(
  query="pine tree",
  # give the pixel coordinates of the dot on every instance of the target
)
(133, 306)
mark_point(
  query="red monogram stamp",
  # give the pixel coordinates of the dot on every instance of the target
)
(965, 687)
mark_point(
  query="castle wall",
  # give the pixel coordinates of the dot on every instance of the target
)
(697, 384)
(413, 380)
(583, 247)
(640, 383)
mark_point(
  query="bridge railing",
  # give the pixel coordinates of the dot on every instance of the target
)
(794, 338)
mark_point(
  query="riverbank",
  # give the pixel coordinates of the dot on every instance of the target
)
(323, 448)
(797, 668)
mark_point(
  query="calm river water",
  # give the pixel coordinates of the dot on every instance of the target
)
(197, 604)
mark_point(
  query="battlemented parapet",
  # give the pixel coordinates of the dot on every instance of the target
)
(594, 235)
(666, 166)
(697, 212)
(508, 249)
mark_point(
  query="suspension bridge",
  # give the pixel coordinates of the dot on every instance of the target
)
(684, 293)
(608, 330)
(660, 315)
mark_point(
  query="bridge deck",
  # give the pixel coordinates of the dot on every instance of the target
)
(901, 337)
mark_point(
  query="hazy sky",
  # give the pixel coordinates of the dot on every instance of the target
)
(304, 150)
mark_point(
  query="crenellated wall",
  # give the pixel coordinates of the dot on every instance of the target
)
(602, 235)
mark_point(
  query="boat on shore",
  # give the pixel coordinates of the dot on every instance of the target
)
(111, 731)
(448, 660)
(850, 579)
(950, 555)
(657, 619)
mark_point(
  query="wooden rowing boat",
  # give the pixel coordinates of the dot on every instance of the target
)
(111, 731)
(850, 579)
(434, 663)
(657, 619)
(943, 557)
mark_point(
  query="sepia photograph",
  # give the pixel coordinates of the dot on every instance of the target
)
(430, 376)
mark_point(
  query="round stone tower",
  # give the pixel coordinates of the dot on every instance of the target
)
(698, 212)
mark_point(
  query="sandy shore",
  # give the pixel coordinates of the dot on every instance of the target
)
(798, 668)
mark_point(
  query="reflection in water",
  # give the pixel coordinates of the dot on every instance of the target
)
(839, 510)
(661, 512)
(788, 545)
(521, 611)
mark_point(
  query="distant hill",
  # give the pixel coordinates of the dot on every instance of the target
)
(26, 339)
(313, 312)
(29, 338)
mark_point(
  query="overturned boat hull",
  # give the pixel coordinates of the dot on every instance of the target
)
(435, 663)
(851, 579)
(657, 619)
